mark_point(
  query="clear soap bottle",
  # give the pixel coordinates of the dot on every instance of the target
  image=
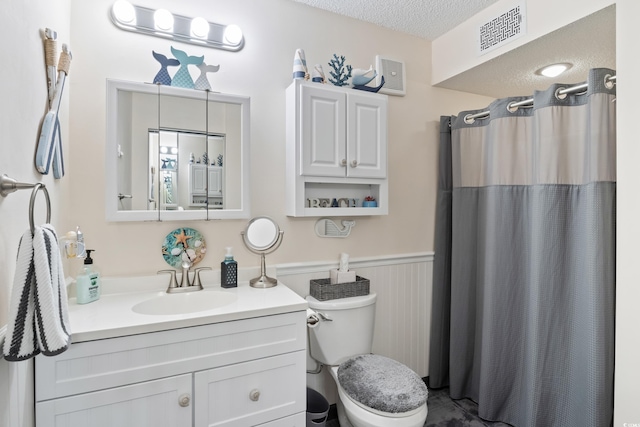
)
(88, 282)
(229, 271)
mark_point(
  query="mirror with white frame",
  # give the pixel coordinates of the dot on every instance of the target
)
(175, 153)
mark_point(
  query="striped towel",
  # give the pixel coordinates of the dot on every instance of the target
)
(38, 314)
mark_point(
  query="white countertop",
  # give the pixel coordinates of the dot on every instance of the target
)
(112, 315)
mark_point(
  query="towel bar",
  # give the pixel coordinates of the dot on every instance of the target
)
(9, 185)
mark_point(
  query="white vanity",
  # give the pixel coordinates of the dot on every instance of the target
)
(242, 363)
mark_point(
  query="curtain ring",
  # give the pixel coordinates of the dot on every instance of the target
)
(608, 82)
(36, 188)
(511, 108)
(468, 120)
(560, 96)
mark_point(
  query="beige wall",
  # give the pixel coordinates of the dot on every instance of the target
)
(23, 89)
(262, 70)
(273, 29)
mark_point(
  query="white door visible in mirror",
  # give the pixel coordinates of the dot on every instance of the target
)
(134, 160)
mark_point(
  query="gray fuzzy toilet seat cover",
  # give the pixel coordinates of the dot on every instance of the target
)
(382, 383)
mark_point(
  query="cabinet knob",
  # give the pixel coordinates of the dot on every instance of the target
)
(354, 163)
(254, 394)
(184, 400)
(343, 162)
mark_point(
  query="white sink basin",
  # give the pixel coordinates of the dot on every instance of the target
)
(184, 303)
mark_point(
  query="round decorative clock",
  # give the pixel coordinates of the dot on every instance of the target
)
(183, 246)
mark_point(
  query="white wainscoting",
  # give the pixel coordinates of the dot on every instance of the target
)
(403, 308)
(16, 391)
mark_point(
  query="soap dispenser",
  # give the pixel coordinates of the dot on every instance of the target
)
(88, 282)
(229, 271)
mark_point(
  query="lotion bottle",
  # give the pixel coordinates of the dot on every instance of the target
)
(88, 282)
(229, 271)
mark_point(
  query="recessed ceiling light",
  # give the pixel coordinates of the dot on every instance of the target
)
(554, 70)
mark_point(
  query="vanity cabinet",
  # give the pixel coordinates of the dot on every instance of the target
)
(247, 372)
(336, 149)
(199, 177)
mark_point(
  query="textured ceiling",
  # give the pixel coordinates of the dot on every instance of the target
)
(587, 43)
(427, 19)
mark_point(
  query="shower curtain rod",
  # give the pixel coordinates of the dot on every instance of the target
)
(528, 103)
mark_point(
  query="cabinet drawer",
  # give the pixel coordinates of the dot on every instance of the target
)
(251, 393)
(102, 364)
(149, 404)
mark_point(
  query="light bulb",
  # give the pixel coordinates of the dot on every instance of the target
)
(124, 12)
(164, 150)
(554, 70)
(233, 34)
(163, 20)
(174, 150)
(199, 28)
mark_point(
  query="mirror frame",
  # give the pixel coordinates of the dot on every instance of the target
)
(113, 214)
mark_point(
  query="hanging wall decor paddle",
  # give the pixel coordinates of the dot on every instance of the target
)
(49, 149)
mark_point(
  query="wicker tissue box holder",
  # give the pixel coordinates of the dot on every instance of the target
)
(322, 289)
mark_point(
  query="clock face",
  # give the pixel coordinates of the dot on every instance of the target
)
(183, 246)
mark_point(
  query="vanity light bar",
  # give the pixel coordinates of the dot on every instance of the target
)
(162, 23)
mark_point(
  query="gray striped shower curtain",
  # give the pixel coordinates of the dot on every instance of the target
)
(524, 272)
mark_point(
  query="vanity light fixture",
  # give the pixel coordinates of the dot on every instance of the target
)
(554, 70)
(163, 23)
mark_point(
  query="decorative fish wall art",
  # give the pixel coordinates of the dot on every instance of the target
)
(182, 77)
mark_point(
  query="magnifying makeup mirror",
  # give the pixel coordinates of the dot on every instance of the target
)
(262, 236)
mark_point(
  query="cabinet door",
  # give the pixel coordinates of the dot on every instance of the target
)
(323, 132)
(367, 136)
(215, 181)
(251, 393)
(198, 180)
(148, 404)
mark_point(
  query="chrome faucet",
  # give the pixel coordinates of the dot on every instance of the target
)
(186, 283)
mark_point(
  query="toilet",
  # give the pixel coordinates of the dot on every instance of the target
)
(373, 390)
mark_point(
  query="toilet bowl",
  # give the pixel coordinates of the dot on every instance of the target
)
(373, 390)
(356, 414)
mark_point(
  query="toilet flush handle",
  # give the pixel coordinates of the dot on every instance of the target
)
(323, 316)
(315, 317)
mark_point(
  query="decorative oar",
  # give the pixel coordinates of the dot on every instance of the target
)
(49, 137)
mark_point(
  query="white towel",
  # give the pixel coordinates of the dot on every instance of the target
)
(38, 314)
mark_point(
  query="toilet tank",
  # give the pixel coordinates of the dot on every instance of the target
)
(350, 331)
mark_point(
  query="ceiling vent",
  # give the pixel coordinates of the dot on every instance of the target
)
(502, 29)
(394, 76)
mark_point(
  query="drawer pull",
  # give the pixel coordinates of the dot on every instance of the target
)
(184, 400)
(254, 394)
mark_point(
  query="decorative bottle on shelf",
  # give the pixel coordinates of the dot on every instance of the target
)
(229, 271)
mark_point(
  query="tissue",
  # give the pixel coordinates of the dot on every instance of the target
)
(344, 263)
(342, 273)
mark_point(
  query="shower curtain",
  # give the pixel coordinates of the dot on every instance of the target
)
(524, 272)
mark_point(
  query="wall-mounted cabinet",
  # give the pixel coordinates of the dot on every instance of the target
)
(336, 150)
(205, 186)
